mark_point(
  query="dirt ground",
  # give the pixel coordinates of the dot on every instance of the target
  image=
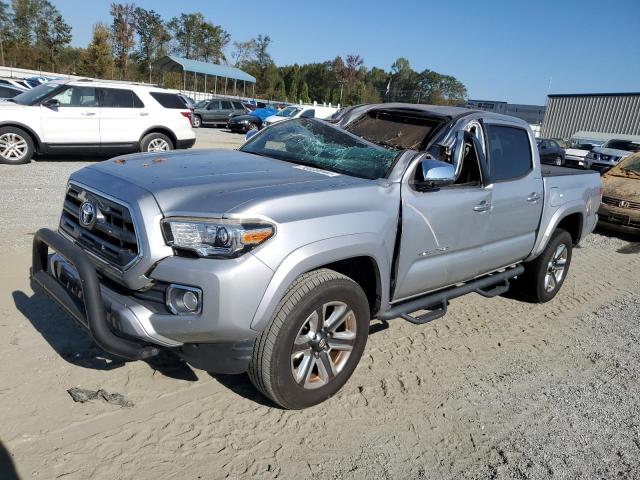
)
(496, 389)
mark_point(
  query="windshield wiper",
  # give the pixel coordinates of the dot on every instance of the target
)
(627, 171)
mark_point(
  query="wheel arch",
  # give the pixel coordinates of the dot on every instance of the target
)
(160, 129)
(359, 257)
(570, 217)
(34, 136)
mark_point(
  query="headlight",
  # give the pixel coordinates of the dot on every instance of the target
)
(218, 238)
(244, 121)
(591, 155)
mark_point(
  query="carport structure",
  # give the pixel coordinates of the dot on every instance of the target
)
(171, 63)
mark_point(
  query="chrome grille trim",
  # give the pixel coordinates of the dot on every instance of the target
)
(108, 240)
(616, 202)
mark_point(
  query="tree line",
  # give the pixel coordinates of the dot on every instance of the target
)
(34, 35)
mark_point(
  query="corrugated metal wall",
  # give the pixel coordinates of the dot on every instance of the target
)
(566, 115)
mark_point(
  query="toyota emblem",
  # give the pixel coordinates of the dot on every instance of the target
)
(87, 214)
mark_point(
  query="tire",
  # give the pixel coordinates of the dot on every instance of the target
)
(538, 283)
(253, 126)
(16, 146)
(558, 161)
(197, 121)
(296, 381)
(161, 142)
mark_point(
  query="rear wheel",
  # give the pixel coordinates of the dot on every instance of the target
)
(156, 142)
(558, 161)
(314, 341)
(545, 275)
(16, 146)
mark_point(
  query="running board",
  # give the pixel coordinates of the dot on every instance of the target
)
(487, 286)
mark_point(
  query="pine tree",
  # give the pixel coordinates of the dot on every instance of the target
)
(97, 60)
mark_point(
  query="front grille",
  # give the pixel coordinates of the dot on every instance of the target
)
(111, 237)
(620, 203)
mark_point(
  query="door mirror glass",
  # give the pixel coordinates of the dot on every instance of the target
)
(51, 103)
(434, 174)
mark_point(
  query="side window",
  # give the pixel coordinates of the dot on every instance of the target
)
(6, 92)
(118, 98)
(308, 114)
(169, 100)
(214, 105)
(226, 105)
(509, 152)
(237, 106)
(77, 97)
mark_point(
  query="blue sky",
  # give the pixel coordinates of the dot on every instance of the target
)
(501, 50)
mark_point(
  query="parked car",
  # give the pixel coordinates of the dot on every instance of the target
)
(576, 154)
(297, 111)
(217, 112)
(550, 151)
(72, 116)
(251, 121)
(620, 207)
(611, 152)
(15, 82)
(273, 258)
(9, 91)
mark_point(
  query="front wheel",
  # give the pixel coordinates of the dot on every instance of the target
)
(156, 142)
(16, 146)
(545, 275)
(197, 121)
(314, 341)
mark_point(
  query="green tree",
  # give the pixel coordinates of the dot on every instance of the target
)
(152, 37)
(6, 28)
(123, 29)
(97, 60)
(185, 30)
(52, 32)
(304, 93)
(211, 40)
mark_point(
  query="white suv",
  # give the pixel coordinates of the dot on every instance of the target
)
(92, 117)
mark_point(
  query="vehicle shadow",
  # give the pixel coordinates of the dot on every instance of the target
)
(7, 468)
(73, 157)
(76, 347)
(242, 386)
(634, 240)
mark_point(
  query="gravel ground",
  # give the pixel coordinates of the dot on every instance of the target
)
(496, 389)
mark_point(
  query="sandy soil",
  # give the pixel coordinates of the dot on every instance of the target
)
(496, 389)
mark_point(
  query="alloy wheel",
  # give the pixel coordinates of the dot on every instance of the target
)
(158, 145)
(12, 146)
(555, 268)
(323, 345)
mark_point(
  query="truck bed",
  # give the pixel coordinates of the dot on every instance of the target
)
(554, 171)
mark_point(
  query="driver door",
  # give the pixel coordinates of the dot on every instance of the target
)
(443, 231)
(75, 121)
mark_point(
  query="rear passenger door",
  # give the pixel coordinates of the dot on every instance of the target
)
(517, 199)
(210, 115)
(123, 116)
(225, 110)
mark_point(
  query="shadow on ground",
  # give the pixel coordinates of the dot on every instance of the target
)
(7, 468)
(75, 346)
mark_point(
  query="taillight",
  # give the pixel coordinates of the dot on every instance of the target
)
(601, 190)
(188, 116)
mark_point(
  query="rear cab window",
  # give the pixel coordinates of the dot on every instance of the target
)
(169, 100)
(509, 152)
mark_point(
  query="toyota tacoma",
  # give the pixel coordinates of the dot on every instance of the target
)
(274, 258)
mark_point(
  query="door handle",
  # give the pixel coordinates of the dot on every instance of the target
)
(88, 114)
(534, 197)
(144, 114)
(483, 206)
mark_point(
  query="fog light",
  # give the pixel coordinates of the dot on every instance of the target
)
(183, 300)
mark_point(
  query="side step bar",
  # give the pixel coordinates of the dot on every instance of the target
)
(487, 286)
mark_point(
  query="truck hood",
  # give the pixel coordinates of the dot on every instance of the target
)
(215, 182)
(624, 188)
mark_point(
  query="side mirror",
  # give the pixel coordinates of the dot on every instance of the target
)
(51, 103)
(250, 134)
(436, 174)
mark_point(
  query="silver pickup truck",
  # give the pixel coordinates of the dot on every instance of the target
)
(273, 259)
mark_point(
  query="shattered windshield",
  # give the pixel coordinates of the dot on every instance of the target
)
(306, 141)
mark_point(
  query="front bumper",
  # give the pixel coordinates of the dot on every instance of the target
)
(619, 219)
(135, 324)
(577, 162)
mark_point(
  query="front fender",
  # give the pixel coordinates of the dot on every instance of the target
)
(315, 255)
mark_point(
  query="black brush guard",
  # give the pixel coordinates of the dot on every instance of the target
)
(93, 316)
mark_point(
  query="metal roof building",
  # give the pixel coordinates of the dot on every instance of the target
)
(171, 63)
(617, 113)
